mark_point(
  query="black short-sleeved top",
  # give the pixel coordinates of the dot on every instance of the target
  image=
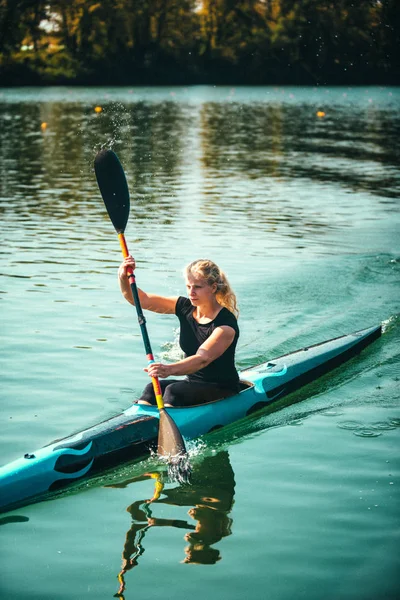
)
(222, 370)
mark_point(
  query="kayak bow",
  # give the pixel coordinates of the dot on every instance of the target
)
(132, 433)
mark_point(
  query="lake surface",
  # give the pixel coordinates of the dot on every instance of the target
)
(302, 212)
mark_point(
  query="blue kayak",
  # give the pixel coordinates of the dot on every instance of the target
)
(134, 432)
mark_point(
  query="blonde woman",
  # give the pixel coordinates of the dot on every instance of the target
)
(208, 336)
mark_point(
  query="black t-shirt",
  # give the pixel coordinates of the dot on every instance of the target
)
(222, 370)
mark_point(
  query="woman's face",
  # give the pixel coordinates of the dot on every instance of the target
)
(199, 291)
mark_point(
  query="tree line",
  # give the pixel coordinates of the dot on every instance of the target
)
(136, 42)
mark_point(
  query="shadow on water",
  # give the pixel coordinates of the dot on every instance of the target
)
(13, 519)
(209, 497)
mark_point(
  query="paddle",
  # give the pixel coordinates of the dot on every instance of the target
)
(114, 190)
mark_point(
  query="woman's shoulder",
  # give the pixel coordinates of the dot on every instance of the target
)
(183, 306)
(226, 317)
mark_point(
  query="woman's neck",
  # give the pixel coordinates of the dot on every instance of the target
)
(206, 312)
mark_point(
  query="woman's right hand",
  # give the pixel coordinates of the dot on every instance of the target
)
(128, 262)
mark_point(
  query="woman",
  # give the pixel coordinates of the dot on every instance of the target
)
(208, 336)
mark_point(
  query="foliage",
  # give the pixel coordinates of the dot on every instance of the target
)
(199, 41)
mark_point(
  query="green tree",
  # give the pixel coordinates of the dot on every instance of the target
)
(20, 20)
(243, 41)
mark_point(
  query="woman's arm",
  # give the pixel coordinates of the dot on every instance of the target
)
(158, 304)
(214, 346)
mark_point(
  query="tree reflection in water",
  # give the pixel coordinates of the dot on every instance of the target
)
(210, 498)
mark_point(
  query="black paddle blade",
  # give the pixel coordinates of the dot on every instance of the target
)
(113, 187)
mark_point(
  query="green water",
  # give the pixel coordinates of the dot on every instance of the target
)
(302, 212)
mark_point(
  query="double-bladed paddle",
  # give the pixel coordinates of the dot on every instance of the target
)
(114, 190)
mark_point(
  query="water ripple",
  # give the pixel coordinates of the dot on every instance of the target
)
(372, 429)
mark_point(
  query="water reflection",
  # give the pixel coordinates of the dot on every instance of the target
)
(248, 137)
(171, 150)
(281, 141)
(210, 498)
(49, 170)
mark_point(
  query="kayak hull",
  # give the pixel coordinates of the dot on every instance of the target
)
(132, 433)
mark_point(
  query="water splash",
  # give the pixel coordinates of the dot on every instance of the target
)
(390, 323)
(171, 351)
(179, 467)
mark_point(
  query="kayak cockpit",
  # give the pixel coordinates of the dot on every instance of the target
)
(245, 385)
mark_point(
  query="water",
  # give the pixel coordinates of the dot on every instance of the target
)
(302, 213)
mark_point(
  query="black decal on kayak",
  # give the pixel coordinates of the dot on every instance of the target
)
(70, 463)
(113, 433)
(79, 446)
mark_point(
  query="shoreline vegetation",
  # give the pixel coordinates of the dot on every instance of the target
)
(189, 42)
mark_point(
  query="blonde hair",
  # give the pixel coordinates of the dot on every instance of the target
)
(211, 273)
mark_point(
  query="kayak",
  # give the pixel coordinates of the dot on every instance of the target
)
(132, 433)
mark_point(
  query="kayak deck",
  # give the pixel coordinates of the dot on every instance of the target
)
(132, 433)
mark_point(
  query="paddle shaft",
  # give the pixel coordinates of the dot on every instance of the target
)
(114, 190)
(142, 322)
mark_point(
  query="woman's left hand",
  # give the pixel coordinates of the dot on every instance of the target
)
(158, 370)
